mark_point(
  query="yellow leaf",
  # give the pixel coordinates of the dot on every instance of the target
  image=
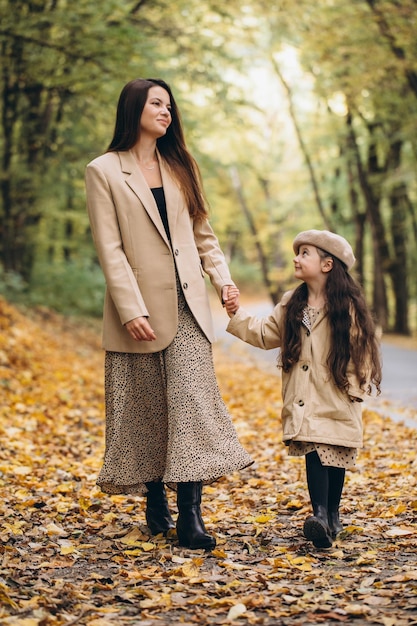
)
(366, 557)
(219, 553)
(337, 554)
(15, 529)
(298, 560)
(4, 596)
(353, 529)
(400, 508)
(54, 529)
(294, 504)
(67, 549)
(190, 569)
(356, 609)
(263, 518)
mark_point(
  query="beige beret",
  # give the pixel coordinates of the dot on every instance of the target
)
(330, 242)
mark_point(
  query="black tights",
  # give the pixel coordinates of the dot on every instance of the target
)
(325, 484)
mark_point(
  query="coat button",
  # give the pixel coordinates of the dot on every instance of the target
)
(176, 252)
(185, 286)
(305, 367)
(301, 402)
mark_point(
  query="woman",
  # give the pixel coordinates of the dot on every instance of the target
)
(330, 360)
(165, 419)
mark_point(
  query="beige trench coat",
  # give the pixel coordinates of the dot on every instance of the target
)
(137, 259)
(314, 409)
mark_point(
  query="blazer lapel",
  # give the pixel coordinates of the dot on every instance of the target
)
(139, 186)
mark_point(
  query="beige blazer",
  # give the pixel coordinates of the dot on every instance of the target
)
(136, 256)
(314, 409)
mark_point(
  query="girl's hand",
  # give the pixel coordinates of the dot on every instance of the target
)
(140, 329)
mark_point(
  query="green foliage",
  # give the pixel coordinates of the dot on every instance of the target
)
(311, 105)
(73, 288)
(12, 286)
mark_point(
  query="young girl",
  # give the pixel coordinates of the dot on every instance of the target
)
(330, 360)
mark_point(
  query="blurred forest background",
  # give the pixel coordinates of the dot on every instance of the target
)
(300, 114)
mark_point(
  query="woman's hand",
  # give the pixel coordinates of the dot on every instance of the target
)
(231, 299)
(140, 330)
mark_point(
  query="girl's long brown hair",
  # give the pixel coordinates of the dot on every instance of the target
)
(171, 146)
(352, 328)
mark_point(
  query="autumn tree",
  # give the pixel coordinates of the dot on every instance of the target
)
(361, 60)
(63, 66)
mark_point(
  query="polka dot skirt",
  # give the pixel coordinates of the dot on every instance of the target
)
(330, 456)
(165, 418)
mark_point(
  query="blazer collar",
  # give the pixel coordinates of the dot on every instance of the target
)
(136, 181)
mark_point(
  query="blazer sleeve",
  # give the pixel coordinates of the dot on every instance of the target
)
(265, 332)
(211, 256)
(121, 282)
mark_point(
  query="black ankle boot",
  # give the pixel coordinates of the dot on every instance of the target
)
(158, 517)
(191, 531)
(316, 528)
(335, 524)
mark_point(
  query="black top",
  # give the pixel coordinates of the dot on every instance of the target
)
(159, 195)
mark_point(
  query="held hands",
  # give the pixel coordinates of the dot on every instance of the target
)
(140, 330)
(231, 299)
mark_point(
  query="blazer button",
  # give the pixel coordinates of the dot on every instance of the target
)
(301, 402)
(176, 252)
(305, 367)
(185, 286)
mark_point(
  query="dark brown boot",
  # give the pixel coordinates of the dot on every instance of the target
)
(335, 524)
(336, 482)
(158, 517)
(316, 528)
(190, 526)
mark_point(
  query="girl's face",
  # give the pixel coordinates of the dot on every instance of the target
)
(156, 114)
(309, 265)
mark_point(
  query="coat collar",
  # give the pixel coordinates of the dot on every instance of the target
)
(136, 181)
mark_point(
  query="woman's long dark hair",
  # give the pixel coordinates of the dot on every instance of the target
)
(171, 146)
(352, 329)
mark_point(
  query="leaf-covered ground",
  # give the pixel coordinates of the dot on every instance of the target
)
(72, 555)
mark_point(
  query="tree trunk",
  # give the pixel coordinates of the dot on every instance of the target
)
(372, 195)
(263, 260)
(314, 183)
(396, 49)
(399, 224)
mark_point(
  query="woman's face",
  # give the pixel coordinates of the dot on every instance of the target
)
(156, 114)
